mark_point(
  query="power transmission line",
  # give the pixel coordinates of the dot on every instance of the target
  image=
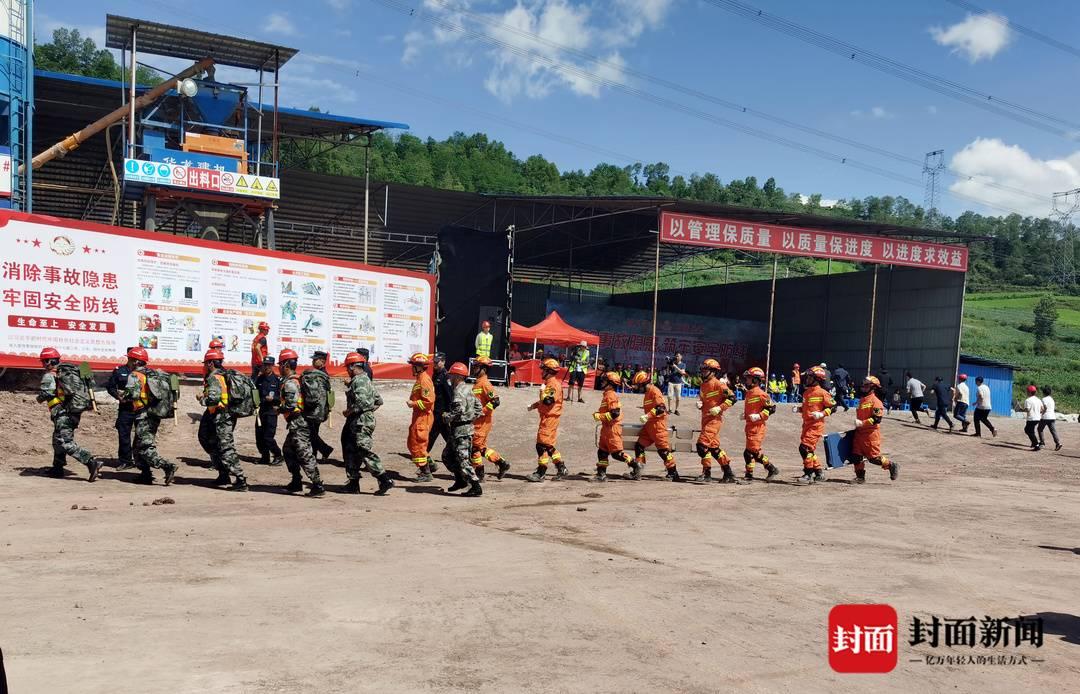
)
(955, 90)
(562, 67)
(711, 98)
(933, 165)
(1065, 205)
(1019, 28)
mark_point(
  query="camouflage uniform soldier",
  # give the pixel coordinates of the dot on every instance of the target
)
(137, 393)
(357, 446)
(297, 449)
(216, 427)
(463, 410)
(65, 420)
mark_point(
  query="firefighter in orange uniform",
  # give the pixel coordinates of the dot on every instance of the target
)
(714, 399)
(489, 400)
(867, 443)
(655, 426)
(610, 417)
(550, 405)
(796, 382)
(817, 404)
(422, 403)
(259, 348)
(756, 411)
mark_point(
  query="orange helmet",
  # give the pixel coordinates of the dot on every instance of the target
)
(138, 353)
(640, 378)
(711, 364)
(354, 358)
(458, 369)
(212, 355)
(754, 372)
(216, 343)
(48, 353)
(871, 381)
(818, 373)
(420, 359)
(612, 377)
(549, 365)
(264, 327)
(287, 355)
(482, 361)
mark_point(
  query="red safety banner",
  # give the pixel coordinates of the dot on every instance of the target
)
(716, 232)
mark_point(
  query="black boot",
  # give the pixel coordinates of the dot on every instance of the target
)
(57, 471)
(474, 489)
(351, 487)
(635, 470)
(295, 485)
(537, 476)
(748, 476)
(673, 474)
(240, 485)
(222, 479)
(432, 466)
(385, 483)
(601, 473)
(276, 462)
(479, 472)
(894, 471)
(124, 465)
(560, 472)
(729, 476)
(807, 477)
(316, 490)
(503, 466)
(860, 477)
(94, 468)
(460, 482)
(773, 472)
(819, 474)
(705, 476)
(170, 473)
(145, 477)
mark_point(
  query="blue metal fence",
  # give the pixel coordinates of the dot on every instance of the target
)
(1000, 380)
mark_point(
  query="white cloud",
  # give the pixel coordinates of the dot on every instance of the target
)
(879, 112)
(824, 202)
(989, 160)
(304, 83)
(279, 23)
(532, 62)
(387, 38)
(978, 37)
(46, 25)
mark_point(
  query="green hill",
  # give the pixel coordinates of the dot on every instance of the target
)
(998, 325)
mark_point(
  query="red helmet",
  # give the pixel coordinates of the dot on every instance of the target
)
(287, 355)
(962, 377)
(872, 381)
(216, 344)
(213, 355)
(264, 327)
(818, 373)
(1032, 389)
(420, 359)
(482, 361)
(795, 365)
(613, 378)
(138, 353)
(354, 358)
(641, 377)
(48, 353)
(485, 324)
(458, 369)
(549, 365)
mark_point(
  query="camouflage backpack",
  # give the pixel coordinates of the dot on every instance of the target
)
(162, 397)
(241, 393)
(315, 389)
(75, 389)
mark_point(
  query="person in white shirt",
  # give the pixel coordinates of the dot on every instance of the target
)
(982, 407)
(961, 401)
(1035, 408)
(1049, 419)
(915, 390)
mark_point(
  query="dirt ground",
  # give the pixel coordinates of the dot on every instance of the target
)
(553, 587)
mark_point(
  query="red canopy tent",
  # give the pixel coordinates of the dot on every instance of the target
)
(553, 330)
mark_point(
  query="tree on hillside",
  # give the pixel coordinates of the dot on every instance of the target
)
(1046, 316)
(74, 54)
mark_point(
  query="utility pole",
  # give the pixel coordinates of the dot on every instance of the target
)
(933, 168)
(1065, 205)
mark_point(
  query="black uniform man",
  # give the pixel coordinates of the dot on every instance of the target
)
(269, 386)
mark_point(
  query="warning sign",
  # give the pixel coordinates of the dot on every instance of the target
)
(212, 180)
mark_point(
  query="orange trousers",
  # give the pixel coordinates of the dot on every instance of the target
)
(419, 431)
(548, 432)
(654, 433)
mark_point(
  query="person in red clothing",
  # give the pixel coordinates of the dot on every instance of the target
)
(422, 403)
(817, 404)
(714, 399)
(757, 408)
(611, 441)
(550, 406)
(867, 443)
(259, 348)
(654, 431)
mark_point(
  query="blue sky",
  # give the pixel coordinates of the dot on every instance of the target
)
(366, 58)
